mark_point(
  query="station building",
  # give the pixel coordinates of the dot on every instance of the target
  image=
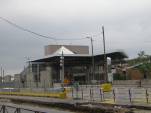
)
(45, 72)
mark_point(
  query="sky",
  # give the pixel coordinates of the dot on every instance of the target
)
(127, 26)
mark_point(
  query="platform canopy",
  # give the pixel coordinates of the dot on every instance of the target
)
(80, 59)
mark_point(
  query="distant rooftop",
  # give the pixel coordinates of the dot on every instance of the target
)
(63, 50)
(67, 49)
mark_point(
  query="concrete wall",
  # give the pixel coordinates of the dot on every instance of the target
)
(45, 79)
(126, 83)
(7, 78)
(17, 78)
(132, 83)
(0, 79)
(134, 74)
(146, 83)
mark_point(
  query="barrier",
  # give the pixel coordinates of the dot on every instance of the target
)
(14, 109)
(126, 83)
(118, 95)
(61, 95)
(106, 87)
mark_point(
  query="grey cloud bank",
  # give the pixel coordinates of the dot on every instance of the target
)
(127, 26)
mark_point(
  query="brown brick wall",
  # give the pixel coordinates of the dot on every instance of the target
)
(134, 74)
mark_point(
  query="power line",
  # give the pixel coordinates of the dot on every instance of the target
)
(32, 32)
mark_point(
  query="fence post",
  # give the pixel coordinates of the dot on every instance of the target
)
(130, 95)
(44, 86)
(114, 95)
(101, 93)
(19, 85)
(82, 93)
(18, 110)
(3, 109)
(29, 84)
(77, 89)
(90, 95)
(72, 92)
(147, 96)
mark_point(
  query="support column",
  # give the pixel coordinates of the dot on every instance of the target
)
(29, 77)
(49, 75)
(88, 75)
(38, 75)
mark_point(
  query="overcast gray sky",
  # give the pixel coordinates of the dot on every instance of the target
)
(127, 27)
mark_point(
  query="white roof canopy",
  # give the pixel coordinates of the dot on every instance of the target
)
(64, 50)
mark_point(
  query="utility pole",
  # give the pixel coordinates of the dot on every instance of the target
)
(105, 59)
(92, 57)
(1, 74)
(38, 74)
(62, 68)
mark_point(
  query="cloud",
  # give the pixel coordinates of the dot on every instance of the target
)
(127, 26)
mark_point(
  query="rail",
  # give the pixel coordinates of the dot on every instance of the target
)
(126, 95)
(13, 109)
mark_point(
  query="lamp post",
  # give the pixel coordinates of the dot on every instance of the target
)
(105, 59)
(62, 68)
(1, 75)
(92, 56)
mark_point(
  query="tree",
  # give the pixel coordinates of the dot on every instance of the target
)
(141, 54)
(145, 68)
(143, 57)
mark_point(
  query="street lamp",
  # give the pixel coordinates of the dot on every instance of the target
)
(62, 68)
(92, 56)
(105, 58)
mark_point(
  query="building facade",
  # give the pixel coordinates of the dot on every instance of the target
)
(47, 71)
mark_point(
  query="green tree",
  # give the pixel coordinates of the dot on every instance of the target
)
(145, 68)
(141, 54)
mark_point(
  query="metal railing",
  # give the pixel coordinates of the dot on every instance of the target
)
(117, 95)
(12, 109)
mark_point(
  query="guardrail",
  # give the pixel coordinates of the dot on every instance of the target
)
(51, 92)
(12, 109)
(117, 95)
(61, 95)
(92, 93)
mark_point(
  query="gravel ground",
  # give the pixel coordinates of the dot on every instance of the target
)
(30, 106)
(142, 111)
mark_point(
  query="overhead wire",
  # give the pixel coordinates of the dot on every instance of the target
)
(35, 33)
